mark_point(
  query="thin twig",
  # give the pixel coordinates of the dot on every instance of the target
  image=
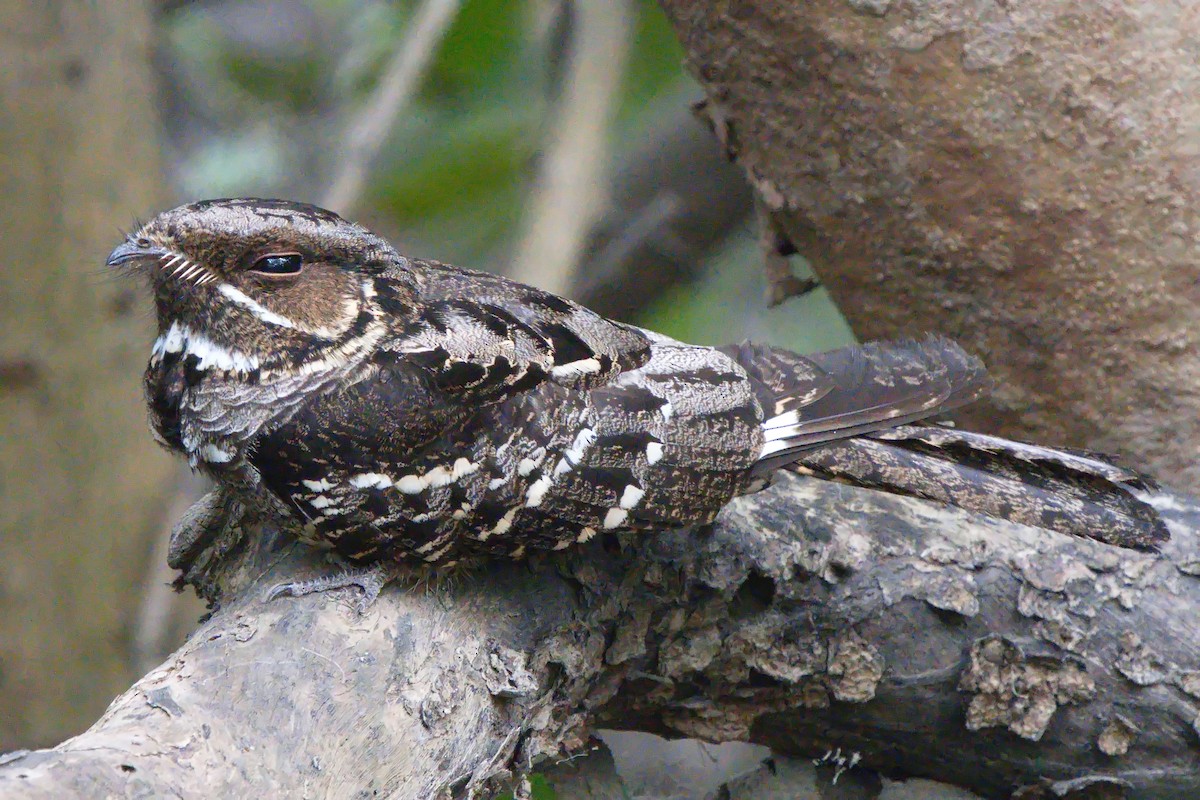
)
(399, 82)
(567, 198)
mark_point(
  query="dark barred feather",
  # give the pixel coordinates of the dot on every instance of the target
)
(1032, 485)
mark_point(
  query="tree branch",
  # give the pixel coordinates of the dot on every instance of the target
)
(813, 616)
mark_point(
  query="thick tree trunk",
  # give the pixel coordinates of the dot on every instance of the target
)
(919, 640)
(81, 481)
(1020, 176)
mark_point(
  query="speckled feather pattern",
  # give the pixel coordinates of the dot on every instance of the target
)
(398, 408)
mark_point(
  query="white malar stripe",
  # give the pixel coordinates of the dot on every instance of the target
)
(537, 491)
(211, 354)
(654, 452)
(215, 455)
(247, 302)
(318, 486)
(338, 357)
(583, 366)
(615, 518)
(631, 496)
(370, 479)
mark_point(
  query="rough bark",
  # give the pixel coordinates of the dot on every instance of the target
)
(81, 482)
(1020, 176)
(813, 616)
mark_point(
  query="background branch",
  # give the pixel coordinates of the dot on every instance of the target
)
(400, 80)
(571, 190)
(674, 199)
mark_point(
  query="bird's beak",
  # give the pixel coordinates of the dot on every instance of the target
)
(128, 252)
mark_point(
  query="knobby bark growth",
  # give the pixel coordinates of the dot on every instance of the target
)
(813, 616)
(1020, 176)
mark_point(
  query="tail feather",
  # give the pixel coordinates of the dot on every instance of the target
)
(847, 415)
(1060, 491)
(855, 390)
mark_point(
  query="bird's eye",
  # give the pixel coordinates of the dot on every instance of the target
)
(279, 264)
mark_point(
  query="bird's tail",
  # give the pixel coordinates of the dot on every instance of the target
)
(847, 415)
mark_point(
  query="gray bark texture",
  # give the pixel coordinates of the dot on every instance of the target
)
(813, 618)
(1021, 176)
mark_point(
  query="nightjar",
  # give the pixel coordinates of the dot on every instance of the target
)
(397, 408)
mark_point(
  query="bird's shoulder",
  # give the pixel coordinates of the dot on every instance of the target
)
(488, 336)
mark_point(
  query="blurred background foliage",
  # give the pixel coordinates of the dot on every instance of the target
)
(259, 92)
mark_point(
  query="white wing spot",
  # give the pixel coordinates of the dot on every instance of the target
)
(537, 491)
(411, 484)
(318, 486)
(631, 496)
(439, 476)
(370, 479)
(615, 518)
(654, 452)
(502, 525)
(583, 366)
(583, 440)
(585, 534)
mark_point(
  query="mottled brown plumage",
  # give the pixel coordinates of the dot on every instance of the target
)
(393, 408)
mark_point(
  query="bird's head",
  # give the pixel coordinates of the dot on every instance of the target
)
(262, 276)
